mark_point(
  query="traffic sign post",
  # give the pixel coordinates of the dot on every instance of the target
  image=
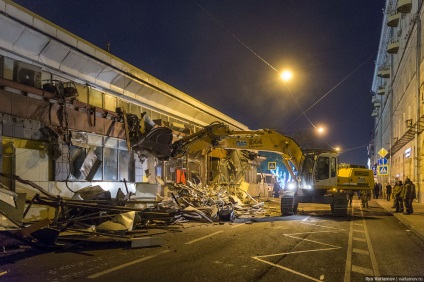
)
(383, 152)
(382, 161)
(272, 165)
(383, 169)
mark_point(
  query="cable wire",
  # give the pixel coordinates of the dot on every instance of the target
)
(332, 89)
(254, 53)
(233, 35)
(268, 64)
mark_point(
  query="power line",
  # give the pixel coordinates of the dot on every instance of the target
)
(303, 112)
(253, 52)
(234, 36)
(268, 64)
(351, 149)
(332, 89)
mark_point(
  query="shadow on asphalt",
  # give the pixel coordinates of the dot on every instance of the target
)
(376, 211)
(18, 253)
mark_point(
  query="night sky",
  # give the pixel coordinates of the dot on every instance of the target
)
(228, 54)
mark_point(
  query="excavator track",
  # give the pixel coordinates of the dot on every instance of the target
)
(287, 202)
(339, 205)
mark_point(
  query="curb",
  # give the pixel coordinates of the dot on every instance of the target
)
(405, 222)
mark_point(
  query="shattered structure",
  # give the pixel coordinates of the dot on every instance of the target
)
(86, 142)
(92, 214)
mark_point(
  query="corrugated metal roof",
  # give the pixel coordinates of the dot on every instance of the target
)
(46, 44)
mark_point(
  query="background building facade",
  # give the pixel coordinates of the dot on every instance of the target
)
(398, 95)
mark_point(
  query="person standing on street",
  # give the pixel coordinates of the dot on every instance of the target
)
(394, 194)
(365, 195)
(409, 195)
(397, 194)
(276, 190)
(388, 191)
(350, 197)
(376, 191)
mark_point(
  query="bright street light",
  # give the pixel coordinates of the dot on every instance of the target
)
(286, 75)
(320, 130)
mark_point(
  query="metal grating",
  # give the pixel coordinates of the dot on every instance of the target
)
(409, 135)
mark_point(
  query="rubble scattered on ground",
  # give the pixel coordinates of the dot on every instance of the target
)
(93, 215)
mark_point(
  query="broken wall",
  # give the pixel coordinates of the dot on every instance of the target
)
(253, 189)
(32, 164)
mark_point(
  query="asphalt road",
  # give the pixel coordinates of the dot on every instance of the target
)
(309, 246)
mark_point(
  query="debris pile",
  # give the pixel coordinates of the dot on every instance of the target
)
(211, 203)
(93, 215)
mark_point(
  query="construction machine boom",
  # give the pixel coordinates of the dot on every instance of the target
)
(318, 177)
(218, 135)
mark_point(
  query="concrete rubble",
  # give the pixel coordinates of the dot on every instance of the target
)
(92, 214)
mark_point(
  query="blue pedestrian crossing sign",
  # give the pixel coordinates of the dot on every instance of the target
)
(383, 170)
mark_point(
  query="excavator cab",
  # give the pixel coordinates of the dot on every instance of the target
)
(326, 171)
(319, 172)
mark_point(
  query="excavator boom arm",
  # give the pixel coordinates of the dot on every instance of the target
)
(219, 135)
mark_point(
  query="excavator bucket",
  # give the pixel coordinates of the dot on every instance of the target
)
(157, 141)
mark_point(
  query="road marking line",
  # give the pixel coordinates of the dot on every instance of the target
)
(306, 218)
(332, 247)
(322, 226)
(360, 231)
(312, 232)
(360, 251)
(348, 267)
(362, 270)
(204, 237)
(297, 252)
(125, 265)
(359, 239)
(287, 269)
(370, 248)
(309, 240)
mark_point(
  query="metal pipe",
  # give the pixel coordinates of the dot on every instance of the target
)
(418, 98)
(13, 165)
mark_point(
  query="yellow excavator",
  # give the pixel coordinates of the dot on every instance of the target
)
(319, 178)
